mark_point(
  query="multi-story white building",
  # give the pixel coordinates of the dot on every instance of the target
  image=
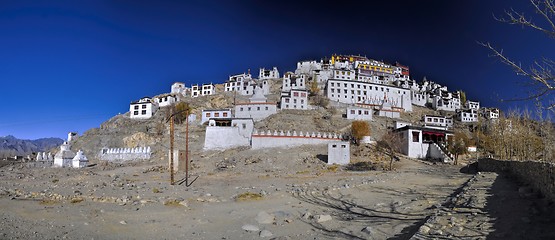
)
(472, 105)
(179, 88)
(294, 99)
(258, 108)
(142, 109)
(165, 100)
(207, 114)
(343, 74)
(293, 81)
(360, 113)
(308, 67)
(441, 103)
(208, 89)
(467, 115)
(268, 74)
(244, 84)
(345, 91)
(490, 113)
(439, 122)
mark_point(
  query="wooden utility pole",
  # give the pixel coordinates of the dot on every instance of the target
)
(172, 137)
(171, 150)
(187, 149)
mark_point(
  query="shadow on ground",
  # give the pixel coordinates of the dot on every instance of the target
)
(347, 210)
(518, 212)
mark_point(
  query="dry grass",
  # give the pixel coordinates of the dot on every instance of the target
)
(332, 168)
(76, 200)
(172, 203)
(247, 196)
(48, 201)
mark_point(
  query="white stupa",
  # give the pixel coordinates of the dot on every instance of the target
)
(80, 160)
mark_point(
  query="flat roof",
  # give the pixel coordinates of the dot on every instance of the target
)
(408, 127)
(216, 110)
(354, 81)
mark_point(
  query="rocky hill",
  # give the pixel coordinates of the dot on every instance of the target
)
(11, 146)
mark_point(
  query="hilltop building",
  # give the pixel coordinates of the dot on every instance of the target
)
(268, 74)
(165, 100)
(257, 108)
(244, 84)
(142, 109)
(207, 114)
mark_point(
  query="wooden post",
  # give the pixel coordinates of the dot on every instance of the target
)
(171, 150)
(187, 150)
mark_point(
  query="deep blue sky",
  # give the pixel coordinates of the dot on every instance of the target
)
(71, 65)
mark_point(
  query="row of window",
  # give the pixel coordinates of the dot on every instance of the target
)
(137, 106)
(143, 112)
(250, 109)
(216, 114)
(358, 86)
(294, 100)
(360, 112)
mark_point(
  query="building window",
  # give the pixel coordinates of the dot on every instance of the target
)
(266, 108)
(415, 137)
(144, 112)
(136, 113)
(295, 94)
(144, 106)
(249, 108)
(207, 114)
(136, 107)
(258, 108)
(241, 109)
(352, 111)
(225, 114)
(216, 114)
(244, 125)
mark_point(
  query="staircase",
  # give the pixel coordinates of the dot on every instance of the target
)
(444, 155)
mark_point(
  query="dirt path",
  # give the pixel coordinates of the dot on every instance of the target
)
(136, 202)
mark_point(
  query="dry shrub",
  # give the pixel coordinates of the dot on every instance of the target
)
(246, 196)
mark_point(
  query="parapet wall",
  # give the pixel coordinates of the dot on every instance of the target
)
(283, 139)
(540, 175)
(124, 154)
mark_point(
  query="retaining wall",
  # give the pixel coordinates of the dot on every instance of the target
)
(124, 154)
(540, 175)
(290, 139)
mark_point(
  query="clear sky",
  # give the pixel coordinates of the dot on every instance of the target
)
(71, 65)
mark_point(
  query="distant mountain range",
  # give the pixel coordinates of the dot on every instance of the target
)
(12, 146)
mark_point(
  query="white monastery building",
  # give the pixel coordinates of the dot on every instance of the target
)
(352, 92)
(244, 84)
(205, 89)
(207, 114)
(438, 122)
(142, 109)
(422, 142)
(223, 133)
(179, 88)
(165, 100)
(257, 108)
(360, 113)
(295, 99)
(268, 74)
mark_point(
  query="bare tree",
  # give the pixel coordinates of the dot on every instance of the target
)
(541, 73)
(390, 144)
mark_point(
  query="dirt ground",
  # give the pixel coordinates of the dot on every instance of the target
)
(247, 196)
